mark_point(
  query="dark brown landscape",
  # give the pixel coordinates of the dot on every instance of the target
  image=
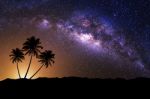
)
(72, 85)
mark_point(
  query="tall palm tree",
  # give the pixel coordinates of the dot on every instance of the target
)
(46, 59)
(16, 57)
(32, 48)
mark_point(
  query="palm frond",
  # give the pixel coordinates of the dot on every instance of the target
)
(16, 55)
(46, 58)
(32, 46)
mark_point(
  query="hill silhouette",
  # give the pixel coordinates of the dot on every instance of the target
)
(68, 85)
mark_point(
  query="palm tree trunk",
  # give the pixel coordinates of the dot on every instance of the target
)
(36, 72)
(28, 67)
(18, 71)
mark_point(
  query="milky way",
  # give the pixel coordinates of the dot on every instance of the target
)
(94, 33)
(104, 39)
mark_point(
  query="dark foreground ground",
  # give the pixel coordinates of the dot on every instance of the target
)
(72, 86)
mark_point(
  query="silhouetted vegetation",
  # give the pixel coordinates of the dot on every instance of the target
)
(46, 59)
(16, 57)
(32, 47)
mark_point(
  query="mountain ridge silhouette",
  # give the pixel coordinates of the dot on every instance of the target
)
(46, 87)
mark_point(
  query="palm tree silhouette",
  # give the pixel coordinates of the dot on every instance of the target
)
(31, 47)
(16, 57)
(45, 58)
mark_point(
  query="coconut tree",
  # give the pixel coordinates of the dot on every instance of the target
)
(16, 57)
(32, 48)
(46, 59)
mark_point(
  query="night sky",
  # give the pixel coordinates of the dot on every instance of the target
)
(91, 38)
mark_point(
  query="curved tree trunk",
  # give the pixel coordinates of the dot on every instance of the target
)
(28, 67)
(18, 71)
(36, 72)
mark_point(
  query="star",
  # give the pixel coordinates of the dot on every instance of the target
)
(44, 24)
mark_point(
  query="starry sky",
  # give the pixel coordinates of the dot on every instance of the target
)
(91, 38)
